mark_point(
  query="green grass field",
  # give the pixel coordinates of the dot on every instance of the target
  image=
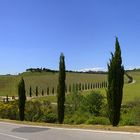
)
(132, 91)
(8, 84)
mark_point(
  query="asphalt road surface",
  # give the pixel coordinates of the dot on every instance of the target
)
(10, 131)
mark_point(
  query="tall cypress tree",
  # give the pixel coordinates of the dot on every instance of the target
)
(22, 99)
(61, 89)
(115, 85)
(36, 91)
(30, 91)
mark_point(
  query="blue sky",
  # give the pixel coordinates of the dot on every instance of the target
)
(33, 33)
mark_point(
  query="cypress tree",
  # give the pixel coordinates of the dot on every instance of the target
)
(65, 88)
(83, 86)
(48, 91)
(69, 88)
(80, 87)
(42, 92)
(61, 89)
(53, 90)
(22, 99)
(36, 91)
(77, 87)
(91, 86)
(115, 85)
(30, 91)
(7, 99)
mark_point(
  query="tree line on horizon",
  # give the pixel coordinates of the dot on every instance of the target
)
(70, 71)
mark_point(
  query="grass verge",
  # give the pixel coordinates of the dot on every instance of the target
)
(90, 127)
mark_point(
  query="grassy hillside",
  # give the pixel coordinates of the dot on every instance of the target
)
(132, 91)
(8, 84)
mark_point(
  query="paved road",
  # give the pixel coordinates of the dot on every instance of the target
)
(24, 132)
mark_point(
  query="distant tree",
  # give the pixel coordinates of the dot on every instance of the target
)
(91, 86)
(48, 91)
(75, 98)
(61, 89)
(7, 99)
(115, 85)
(30, 91)
(22, 99)
(66, 89)
(36, 91)
(77, 86)
(100, 85)
(42, 92)
(106, 84)
(83, 86)
(53, 90)
(80, 87)
(88, 86)
(70, 88)
(96, 85)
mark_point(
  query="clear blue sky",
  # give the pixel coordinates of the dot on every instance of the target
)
(33, 33)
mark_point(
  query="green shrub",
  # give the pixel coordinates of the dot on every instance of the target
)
(93, 103)
(127, 119)
(98, 120)
(73, 100)
(131, 113)
(9, 110)
(33, 110)
(137, 114)
(76, 118)
(49, 118)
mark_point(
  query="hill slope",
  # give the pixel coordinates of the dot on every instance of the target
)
(8, 84)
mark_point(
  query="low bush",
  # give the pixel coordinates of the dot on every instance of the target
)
(98, 120)
(137, 114)
(131, 113)
(49, 118)
(76, 118)
(9, 110)
(39, 111)
(93, 103)
(34, 111)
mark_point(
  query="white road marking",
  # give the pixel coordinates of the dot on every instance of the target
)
(12, 136)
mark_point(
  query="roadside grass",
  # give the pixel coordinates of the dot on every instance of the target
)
(87, 127)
